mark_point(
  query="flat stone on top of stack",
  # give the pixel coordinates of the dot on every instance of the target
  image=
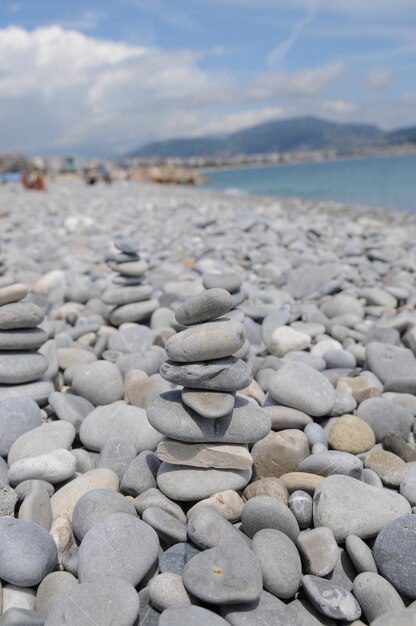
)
(207, 427)
(21, 366)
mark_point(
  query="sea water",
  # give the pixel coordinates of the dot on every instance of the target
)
(383, 181)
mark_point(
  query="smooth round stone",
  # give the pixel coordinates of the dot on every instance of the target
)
(20, 315)
(330, 599)
(301, 504)
(140, 474)
(74, 356)
(279, 562)
(155, 498)
(53, 467)
(360, 554)
(127, 295)
(133, 339)
(52, 587)
(396, 444)
(351, 434)
(149, 361)
(126, 246)
(332, 462)
(42, 440)
(270, 486)
(17, 416)
(205, 342)
(385, 417)
(279, 453)
(175, 558)
(393, 365)
(268, 512)
(394, 551)
(169, 529)
(204, 307)
(225, 280)
(65, 499)
(301, 387)
(303, 481)
(106, 601)
(38, 391)
(227, 503)
(181, 482)
(13, 293)
(207, 528)
(70, 408)
(404, 617)
(408, 484)
(130, 268)
(206, 403)
(24, 488)
(139, 387)
(116, 454)
(284, 417)
(99, 382)
(246, 424)
(390, 467)
(27, 552)
(85, 460)
(376, 595)
(22, 339)
(118, 420)
(191, 616)
(309, 616)
(21, 367)
(133, 312)
(96, 505)
(319, 551)
(266, 610)
(205, 455)
(166, 590)
(134, 542)
(350, 507)
(226, 574)
(285, 339)
(228, 374)
(36, 506)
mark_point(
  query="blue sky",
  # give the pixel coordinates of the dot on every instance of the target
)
(103, 77)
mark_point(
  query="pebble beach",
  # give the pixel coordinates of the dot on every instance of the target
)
(207, 409)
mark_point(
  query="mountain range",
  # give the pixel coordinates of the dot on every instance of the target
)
(303, 133)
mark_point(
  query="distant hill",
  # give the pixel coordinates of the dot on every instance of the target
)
(303, 133)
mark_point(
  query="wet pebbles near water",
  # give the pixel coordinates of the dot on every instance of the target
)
(207, 410)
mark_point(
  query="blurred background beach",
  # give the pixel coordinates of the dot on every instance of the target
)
(303, 98)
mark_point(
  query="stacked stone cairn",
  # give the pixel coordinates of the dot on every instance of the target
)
(208, 428)
(21, 365)
(130, 296)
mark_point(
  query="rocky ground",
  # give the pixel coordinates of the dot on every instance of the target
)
(207, 410)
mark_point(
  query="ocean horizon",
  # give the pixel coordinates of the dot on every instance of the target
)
(377, 182)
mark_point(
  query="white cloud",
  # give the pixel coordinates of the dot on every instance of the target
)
(301, 83)
(378, 79)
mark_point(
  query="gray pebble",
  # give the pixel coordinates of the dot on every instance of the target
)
(184, 483)
(99, 382)
(207, 528)
(330, 599)
(268, 512)
(301, 504)
(360, 554)
(17, 416)
(96, 505)
(227, 374)
(70, 408)
(140, 474)
(166, 590)
(279, 562)
(176, 557)
(116, 454)
(52, 587)
(191, 616)
(169, 529)
(376, 595)
(266, 610)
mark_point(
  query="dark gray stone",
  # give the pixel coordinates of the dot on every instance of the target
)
(228, 374)
(279, 562)
(394, 551)
(169, 529)
(393, 365)
(207, 528)
(267, 610)
(332, 462)
(22, 339)
(70, 408)
(268, 512)
(116, 454)
(360, 554)
(20, 315)
(376, 595)
(184, 483)
(140, 474)
(246, 424)
(226, 574)
(204, 307)
(191, 616)
(27, 552)
(385, 417)
(176, 557)
(21, 367)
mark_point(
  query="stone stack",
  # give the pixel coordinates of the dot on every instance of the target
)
(129, 295)
(21, 366)
(207, 426)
